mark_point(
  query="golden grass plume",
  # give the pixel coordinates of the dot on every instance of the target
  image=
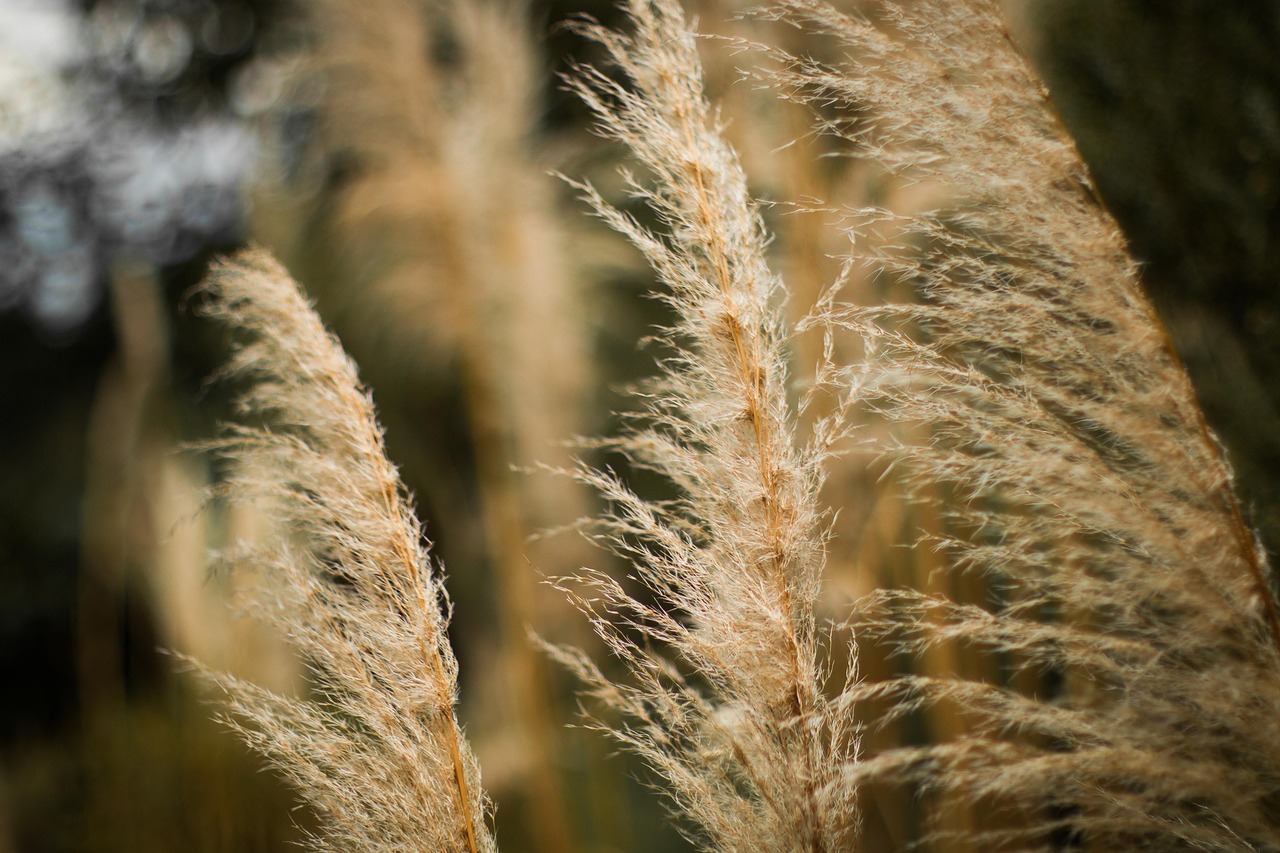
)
(1086, 481)
(377, 751)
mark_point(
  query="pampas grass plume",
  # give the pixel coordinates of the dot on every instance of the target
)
(377, 751)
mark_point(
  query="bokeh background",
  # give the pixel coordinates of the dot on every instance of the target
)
(395, 154)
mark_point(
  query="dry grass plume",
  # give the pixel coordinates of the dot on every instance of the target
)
(377, 750)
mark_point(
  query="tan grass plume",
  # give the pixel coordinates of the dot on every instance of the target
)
(728, 692)
(377, 750)
(1087, 483)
